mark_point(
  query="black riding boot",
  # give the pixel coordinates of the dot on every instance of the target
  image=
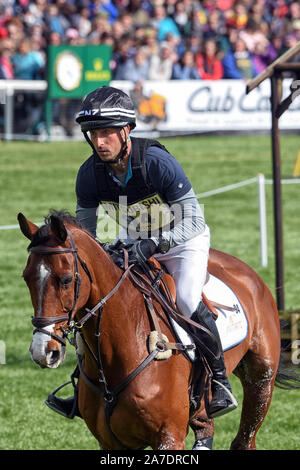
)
(222, 399)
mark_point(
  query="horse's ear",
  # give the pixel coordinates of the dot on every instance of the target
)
(58, 228)
(27, 228)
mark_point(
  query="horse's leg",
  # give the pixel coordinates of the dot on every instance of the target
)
(203, 428)
(168, 439)
(257, 376)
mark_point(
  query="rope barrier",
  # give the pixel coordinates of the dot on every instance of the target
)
(260, 180)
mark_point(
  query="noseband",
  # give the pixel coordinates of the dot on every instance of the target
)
(41, 322)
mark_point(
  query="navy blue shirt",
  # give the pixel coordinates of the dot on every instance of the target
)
(163, 172)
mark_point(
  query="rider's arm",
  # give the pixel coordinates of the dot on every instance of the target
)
(189, 220)
(88, 216)
(87, 201)
(167, 176)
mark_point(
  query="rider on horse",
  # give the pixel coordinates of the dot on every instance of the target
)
(147, 177)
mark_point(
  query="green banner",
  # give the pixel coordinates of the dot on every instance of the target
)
(74, 71)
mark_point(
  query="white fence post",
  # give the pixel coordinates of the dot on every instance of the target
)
(2, 352)
(262, 220)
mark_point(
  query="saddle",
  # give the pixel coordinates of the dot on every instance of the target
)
(168, 286)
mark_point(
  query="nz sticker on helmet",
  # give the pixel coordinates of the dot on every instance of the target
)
(88, 112)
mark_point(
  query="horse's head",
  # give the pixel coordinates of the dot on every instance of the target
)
(53, 278)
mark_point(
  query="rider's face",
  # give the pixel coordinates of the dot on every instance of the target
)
(108, 142)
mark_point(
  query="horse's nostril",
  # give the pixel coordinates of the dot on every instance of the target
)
(52, 357)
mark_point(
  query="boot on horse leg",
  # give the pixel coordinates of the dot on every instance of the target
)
(222, 401)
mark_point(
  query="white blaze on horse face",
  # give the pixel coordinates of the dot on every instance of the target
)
(38, 348)
(43, 275)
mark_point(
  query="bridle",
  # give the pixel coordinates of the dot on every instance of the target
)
(110, 397)
(41, 322)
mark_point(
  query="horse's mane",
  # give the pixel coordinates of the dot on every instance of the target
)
(42, 235)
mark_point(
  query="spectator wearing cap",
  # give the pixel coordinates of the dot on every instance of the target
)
(208, 63)
(185, 68)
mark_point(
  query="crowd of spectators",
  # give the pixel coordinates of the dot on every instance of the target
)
(154, 40)
(151, 40)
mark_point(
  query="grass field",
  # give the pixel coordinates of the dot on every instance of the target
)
(35, 177)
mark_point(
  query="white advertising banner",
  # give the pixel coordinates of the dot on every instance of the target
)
(187, 106)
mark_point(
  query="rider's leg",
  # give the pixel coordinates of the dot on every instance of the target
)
(187, 264)
(222, 399)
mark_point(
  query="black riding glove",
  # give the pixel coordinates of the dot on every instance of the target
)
(140, 251)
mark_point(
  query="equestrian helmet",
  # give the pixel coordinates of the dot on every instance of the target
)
(106, 107)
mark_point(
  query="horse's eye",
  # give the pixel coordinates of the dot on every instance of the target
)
(66, 280)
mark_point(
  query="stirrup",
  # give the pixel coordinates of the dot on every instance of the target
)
(53, 403)
(232, 406)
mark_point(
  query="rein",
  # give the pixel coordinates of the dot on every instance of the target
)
(147, 288)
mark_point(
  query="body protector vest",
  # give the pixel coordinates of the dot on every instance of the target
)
(137, 207)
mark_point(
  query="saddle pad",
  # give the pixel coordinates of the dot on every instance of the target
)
(232, 326)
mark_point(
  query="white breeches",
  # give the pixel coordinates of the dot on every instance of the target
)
(187, 264)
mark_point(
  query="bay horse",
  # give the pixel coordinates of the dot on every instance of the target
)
(71, 277)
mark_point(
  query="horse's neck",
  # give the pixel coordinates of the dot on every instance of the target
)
(104, 271)
(123, 313)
